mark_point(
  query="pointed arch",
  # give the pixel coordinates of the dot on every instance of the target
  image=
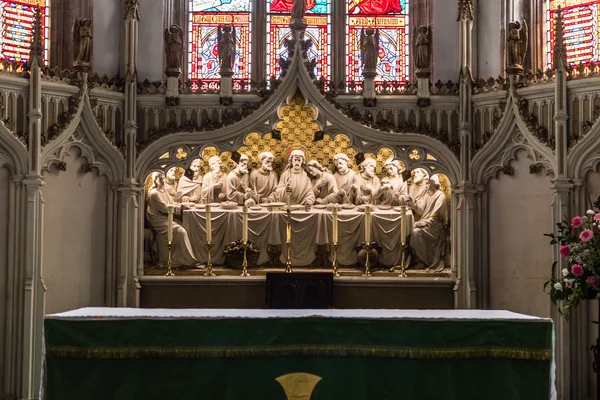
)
(13, 153)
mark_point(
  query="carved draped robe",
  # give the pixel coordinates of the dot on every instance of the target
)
(210, 194)
(328, 192)
(190, 190)
(367, 197)
(157, 215)
(263, 183)
(344, 182)
(390, 196)
(417, 193)
(427, 242)
(237, 183)
(302, 190)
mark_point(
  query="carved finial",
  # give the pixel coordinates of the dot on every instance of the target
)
(465, 10)
(82, 43)
(560, 50)
(131, 10)
(37, 45)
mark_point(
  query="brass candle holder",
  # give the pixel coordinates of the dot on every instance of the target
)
(403, 254)
(169, 260)
(288, 242)
(368, 247)
(245, 246)
(334, 261)
(209, 269)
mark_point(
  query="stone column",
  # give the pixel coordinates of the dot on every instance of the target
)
(33, 290)
(369, 94)
(466, 294)
(127, 235)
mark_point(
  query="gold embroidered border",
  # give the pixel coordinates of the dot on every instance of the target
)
(299, 350)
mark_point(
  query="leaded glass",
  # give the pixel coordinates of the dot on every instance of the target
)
(16, 29)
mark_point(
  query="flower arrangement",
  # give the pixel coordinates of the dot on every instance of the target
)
(234, 254)
(579, 242)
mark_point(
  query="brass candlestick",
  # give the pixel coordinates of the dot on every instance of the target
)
(288, 242)
(245, 261)
(169, 260)
(403, 253)
(368, 246)
(209, 270)
(334, 261)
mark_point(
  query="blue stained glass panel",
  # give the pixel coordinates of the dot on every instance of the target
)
(220, 5)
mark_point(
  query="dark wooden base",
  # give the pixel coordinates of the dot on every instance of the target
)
(249, 292)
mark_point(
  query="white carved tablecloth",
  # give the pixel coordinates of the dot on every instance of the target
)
(309, 229)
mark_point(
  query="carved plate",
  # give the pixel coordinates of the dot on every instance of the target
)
(255, 207)
(275, 204)
(320, 206)
(200, 206)
(214, 205)
(348, 206)
(384, 207)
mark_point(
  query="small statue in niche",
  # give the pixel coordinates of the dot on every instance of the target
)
(226, 48)
(422, 50)
(516, 46)
(82, 43)
(173, 49)
(298, 9)
(369, 48)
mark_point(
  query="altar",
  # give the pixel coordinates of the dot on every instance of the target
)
(120, 353)
(310, 228)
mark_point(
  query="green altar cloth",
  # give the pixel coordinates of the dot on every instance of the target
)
(292, 354)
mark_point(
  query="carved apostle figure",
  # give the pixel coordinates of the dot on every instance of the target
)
(517, 44)
(263, 180)
(213, 184)
(369, 48)
(345, 178)
(369, 185)
(171, 182)
(82, 43)
(298, 9)
(428, 233)
(189, 188)
(295, 177)
(422, 49)
(392, 185)
(226, 49)
(323, 182)
(157, 214)
(238, 182)
(173, 39)
(417, 191)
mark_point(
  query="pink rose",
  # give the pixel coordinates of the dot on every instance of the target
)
(565, 250)
(569, 283)
(593, 281)
(586, 235)
(577, 270)
(576, 222)
(597, 217)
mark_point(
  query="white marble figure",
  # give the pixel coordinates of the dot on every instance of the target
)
(323, 182)
(263, 180)
(189, 188)
(428, 231)
(345, 178)
(157, 214)
(295, 177)
(369, 185)
(213, 184)
(171, 183)
(392, 185)
(416, 192)
(238, 182)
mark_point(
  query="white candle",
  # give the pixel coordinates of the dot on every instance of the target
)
(170, 211)
(208, 225)
(334, 232)
(245, 225)
(367, 224)
(288, 198)
(402, 225)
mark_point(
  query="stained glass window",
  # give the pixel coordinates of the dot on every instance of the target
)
(581, 18)
(390, 19)
(318, 31)
(16, 29)
(206, 17)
